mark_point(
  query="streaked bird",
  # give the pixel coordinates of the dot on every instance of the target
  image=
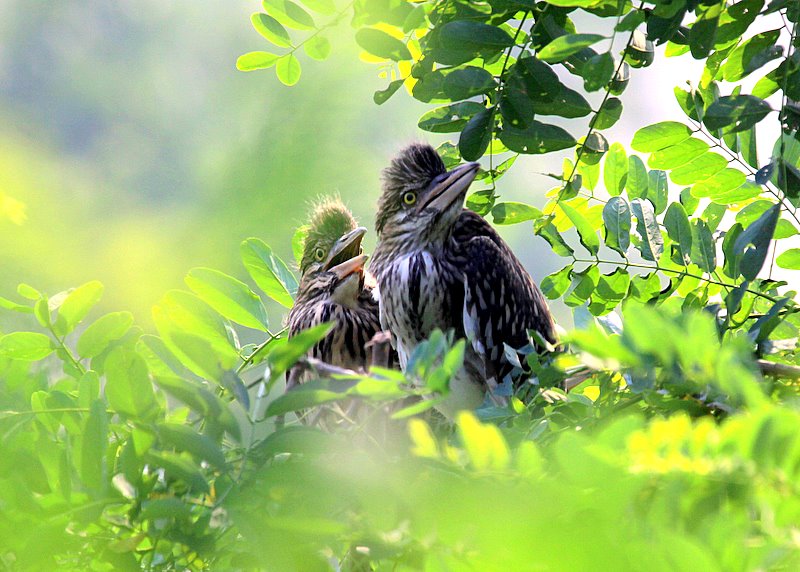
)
(333, 288)
(440, 266)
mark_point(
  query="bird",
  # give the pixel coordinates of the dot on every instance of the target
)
(334, 288)
(441, 266)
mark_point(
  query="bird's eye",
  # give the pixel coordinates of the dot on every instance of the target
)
(319, 254)
(409, 198)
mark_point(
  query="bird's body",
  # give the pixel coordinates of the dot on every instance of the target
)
(439, 266)
(334, 288)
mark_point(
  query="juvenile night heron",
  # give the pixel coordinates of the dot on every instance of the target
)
(441, 266)
(334, 288)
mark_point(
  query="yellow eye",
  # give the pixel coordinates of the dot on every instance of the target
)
(319, 254)
(409, 198)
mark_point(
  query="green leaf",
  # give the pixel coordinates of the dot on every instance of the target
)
(25, 346)
(128, 387)
(382, 96)
(554, 285)
(699, 169)
(76, 305)
(731, 266)
(547, 230)
(617, 220)
(703, 252)
(289, 14)
(718, 187)
(739, 112)
(318, 47)
(285, 356)
(288, 69)
(609, 114)
(321, 6)
(564, 46)
(302, 398)
(201, 401)
(256, 61)
(231, 381)
(679, 230)
(29, 292)
(102, 332)
(750, 55)
(481, 202)
(753, 244)
(181, 312)
(615, 169)
(638, 179)
(181, 468)
(473, 37)
(677, 155)
(268, 271)
(537, 138)
(789, 259)
(514, 213)
(468, 82)
(271, 29)
(94, 439)
(658, 190)
(382, 45)
(184, 438)
(659, 136)
(598, 71)
(703, 32)
(587, 234)
(230, 297)
(647, 226)
(7, 304)
(568, 103)
(476, 135)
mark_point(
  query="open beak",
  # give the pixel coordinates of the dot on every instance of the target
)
(347, 247)
(350, 266)
(452, 187)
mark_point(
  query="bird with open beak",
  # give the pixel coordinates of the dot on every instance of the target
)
(440, 266)
(334, 288)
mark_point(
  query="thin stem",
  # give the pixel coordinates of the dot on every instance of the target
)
(656, 267)
(63, 347)
(272, 337)
(784, 101)
(331, 23)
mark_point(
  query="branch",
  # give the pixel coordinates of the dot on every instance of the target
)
(783, 370)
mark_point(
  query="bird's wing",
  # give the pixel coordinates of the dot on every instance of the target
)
(501, 301)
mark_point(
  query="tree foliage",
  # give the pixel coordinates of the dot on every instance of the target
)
(678, 446)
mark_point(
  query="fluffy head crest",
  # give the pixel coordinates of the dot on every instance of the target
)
(413, 168)
(330, 219)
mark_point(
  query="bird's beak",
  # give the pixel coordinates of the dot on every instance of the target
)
(347, 247)
(350, 266)
(451, 188)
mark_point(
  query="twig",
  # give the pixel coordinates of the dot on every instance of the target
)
(778, 369)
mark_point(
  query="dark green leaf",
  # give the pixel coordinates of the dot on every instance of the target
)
(564, 46)
(751, 55)
(703, 252)
(739, 112)
(547, 230)
(703, 32)
(468, 82)
(608, 115)
(731, 266)
(177, 467)
(382, 96)
(753, 244)
(617, 220)
(473, 37)
(677, 224)
(537, 138)
(598, 71)
(481, 202)
(646, 224)
(568, 103)
(285, 356)
(382, 45)
(184, 438)
(476, 135)
(450, 118)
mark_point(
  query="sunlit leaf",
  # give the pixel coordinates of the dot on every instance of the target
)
(26, 346)
(652, 244)
(617, 221)
(228, 296)
(96, 338)
(564, 46)
(268, 271)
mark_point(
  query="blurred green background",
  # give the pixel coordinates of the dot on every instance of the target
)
(139, 151)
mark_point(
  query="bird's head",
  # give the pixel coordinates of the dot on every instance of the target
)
(332, 237)
(340, 284)
(421, 200)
